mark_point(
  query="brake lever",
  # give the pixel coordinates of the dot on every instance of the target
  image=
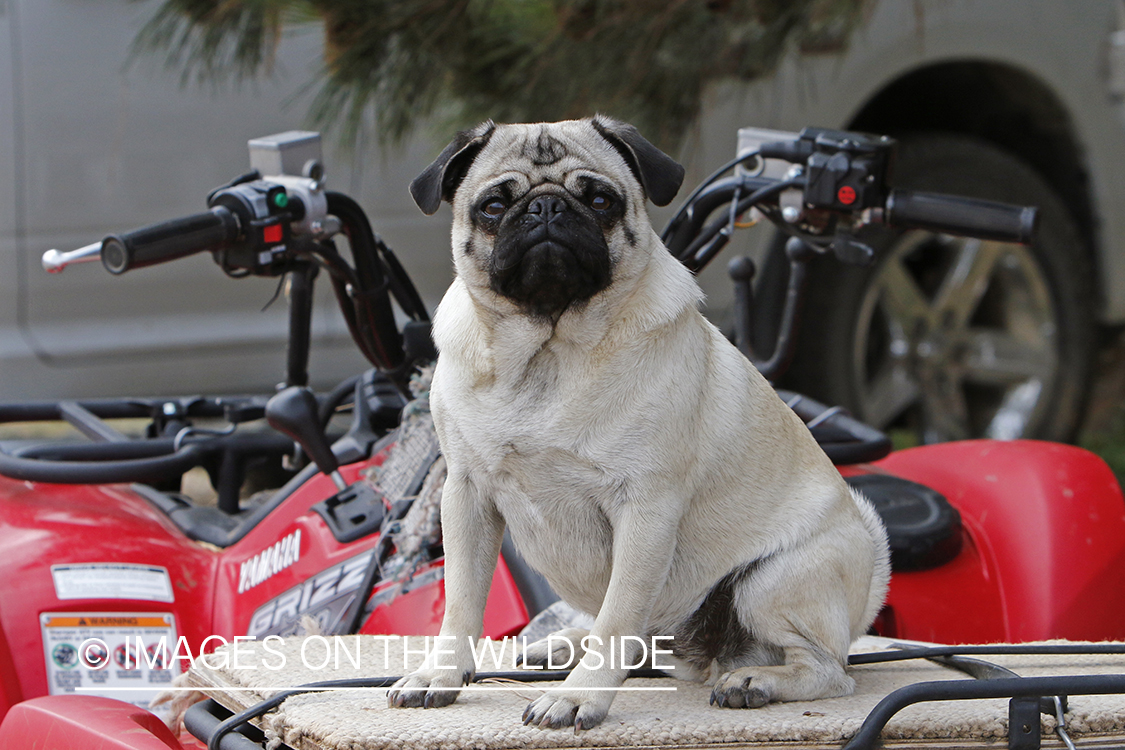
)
(56, 262)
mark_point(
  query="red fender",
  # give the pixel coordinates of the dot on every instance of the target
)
(64, 722)
(1044, 553)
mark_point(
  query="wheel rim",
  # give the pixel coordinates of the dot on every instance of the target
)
(956, 338)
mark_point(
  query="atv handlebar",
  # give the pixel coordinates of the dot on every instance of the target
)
(284, 224)
(953, 214)
(828, 188)
(169, 240)
(835, 182)
(692, 242)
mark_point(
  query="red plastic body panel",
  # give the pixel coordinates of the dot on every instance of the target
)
(1044, 553)
(54, 524)
(319, 550)
(420, 611)
(66, 722)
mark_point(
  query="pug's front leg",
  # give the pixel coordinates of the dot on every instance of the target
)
(472, 530)
(643, 548)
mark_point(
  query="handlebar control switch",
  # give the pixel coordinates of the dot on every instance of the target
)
(846, 171)
(262, 207)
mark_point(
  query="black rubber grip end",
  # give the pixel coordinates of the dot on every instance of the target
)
(168, 240)
(972, 217)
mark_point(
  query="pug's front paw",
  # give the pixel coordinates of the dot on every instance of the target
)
(427, 688)
(581, 709)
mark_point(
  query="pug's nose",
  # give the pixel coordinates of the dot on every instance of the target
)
(547, 208)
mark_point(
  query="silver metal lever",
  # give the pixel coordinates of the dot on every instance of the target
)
(1060, 727)
(55, 262)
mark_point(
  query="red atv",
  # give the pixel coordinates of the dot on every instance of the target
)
(991, 541)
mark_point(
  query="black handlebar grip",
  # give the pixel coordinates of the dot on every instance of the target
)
(168, 240)
(972, 217)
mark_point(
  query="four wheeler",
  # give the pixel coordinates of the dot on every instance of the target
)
(112, 580)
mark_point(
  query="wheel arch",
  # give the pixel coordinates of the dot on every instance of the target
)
(1002, 105)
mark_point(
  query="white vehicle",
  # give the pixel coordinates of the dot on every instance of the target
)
(92, 139)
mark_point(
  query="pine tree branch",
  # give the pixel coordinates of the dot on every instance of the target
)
(390, 64)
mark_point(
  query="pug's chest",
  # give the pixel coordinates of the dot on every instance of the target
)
(537, 462)
(557, 505)
(550, 495)
(534, 453)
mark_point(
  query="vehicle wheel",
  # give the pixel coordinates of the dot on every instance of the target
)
(946, 338)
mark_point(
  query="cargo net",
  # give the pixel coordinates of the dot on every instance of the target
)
(410, 477)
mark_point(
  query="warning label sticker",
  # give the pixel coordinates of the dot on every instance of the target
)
(118, 655)
(112, 581)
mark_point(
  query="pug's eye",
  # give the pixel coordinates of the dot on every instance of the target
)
(493, 208)
(601, 202)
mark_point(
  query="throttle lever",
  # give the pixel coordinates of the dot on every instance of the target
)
(851, 251)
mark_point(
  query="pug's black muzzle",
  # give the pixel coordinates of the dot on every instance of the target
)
(549, 254)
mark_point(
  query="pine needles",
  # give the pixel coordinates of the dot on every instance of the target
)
(390, 64)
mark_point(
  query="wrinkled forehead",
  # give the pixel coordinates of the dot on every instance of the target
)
(560, 153)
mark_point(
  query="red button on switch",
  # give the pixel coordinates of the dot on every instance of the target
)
(271, 234)
(846, 195)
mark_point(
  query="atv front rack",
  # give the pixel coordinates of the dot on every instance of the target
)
(1028, 696)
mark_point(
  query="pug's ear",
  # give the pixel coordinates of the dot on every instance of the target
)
(659, 174)
(440, 179)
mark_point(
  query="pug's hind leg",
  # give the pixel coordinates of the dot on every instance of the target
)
(807, 674)
(559, 650)
(802, 613)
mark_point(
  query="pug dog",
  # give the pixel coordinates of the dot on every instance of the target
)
(640, 462)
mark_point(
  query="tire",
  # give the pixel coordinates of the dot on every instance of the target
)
(948, 338)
